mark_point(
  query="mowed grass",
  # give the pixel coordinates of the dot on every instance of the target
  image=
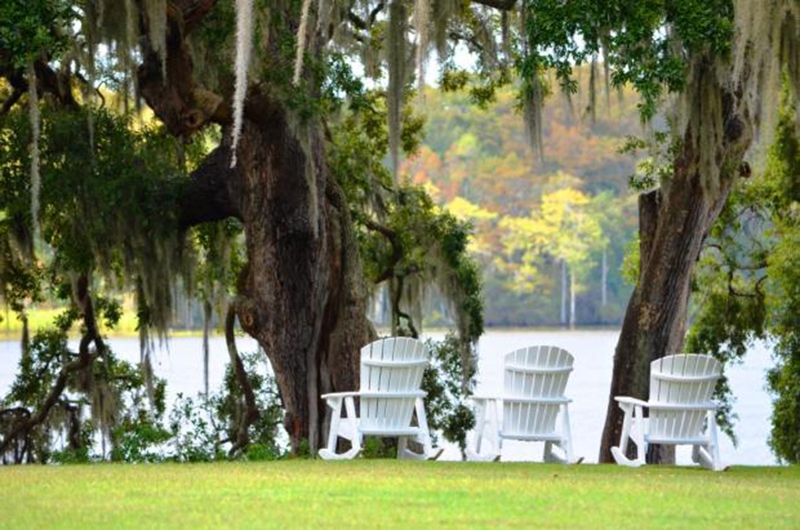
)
(392, 494)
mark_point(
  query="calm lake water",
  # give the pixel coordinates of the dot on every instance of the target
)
(180, 362)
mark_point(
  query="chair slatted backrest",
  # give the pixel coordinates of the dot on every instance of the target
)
(536, 372)
(394, 366)
(684, 379)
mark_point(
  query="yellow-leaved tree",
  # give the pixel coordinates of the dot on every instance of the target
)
(562, 228)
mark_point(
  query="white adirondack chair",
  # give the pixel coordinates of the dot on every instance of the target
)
(391, 375)
(533, 396)
(681, 411)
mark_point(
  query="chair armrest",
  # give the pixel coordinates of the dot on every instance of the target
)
(708, 405)
(375, 394)
(338, 395)
(627, 400)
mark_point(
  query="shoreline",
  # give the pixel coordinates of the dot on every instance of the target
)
(13, 334)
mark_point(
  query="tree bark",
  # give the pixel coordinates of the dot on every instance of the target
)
(301, 295)
(673, 225)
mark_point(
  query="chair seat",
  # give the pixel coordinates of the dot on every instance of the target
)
(666, 440)
(528, 437)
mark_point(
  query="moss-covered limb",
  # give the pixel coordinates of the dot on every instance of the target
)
(397, 249)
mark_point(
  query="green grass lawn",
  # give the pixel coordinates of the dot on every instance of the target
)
(387, 493)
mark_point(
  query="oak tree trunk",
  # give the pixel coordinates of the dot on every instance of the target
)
(674, 222)
(301, 295)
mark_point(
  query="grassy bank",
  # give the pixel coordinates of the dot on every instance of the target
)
(11, 327)
(391, 494)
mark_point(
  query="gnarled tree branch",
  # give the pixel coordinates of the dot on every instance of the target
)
(183, 106)
(251, 413)
(23, 426)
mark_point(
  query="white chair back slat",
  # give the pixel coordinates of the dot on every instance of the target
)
(533, 372)
(399, 363)
(684, 379)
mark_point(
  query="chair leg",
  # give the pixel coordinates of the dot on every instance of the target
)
(329, 452)
(350, 405)
(485, 415)
(712, 423)
(620, 452)
(626, 429)
(566, 443)
(424, 438)
(641, 446)
(550, 457)
(495, 427)
(480, 425)
(708, 454)
(404, 453)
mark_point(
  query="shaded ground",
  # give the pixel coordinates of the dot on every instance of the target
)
(391, 494)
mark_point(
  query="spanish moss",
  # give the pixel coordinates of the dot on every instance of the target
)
(767, 48)
(244, 45)
(443, 11)
(532, 102)
(396, 60)
(607, 79)
(35, 119)
(127, 61)
(704, 109)
(156, 11)
(145, 340)
(301, 42)
(505, 29)
(422, 22)
(593, 89)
